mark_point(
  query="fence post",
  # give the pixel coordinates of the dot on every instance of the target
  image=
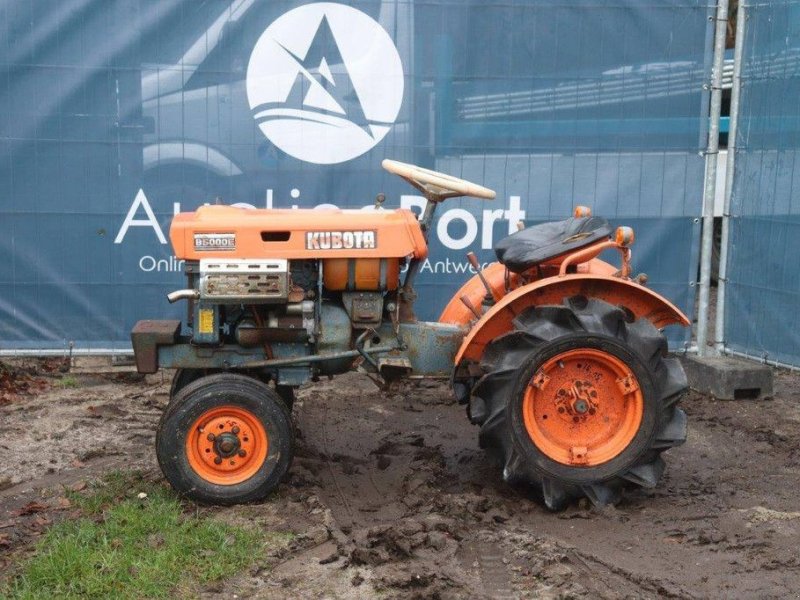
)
(722, 278)
(709, 188)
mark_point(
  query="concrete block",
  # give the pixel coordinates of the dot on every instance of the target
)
(728, 378)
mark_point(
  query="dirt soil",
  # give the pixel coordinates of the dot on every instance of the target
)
(390, 496)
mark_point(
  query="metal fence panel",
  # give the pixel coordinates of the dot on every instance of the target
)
(763, 273)
(114, 114)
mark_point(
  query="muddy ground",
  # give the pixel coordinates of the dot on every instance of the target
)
(391, 497)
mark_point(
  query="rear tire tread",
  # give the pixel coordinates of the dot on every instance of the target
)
(598, 322)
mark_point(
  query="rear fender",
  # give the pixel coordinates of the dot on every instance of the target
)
(457, 313)
(641, 301)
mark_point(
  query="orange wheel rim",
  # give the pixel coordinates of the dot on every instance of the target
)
(583, 407)
(227, 445)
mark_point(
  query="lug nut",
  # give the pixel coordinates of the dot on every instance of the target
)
(211, 437)
(235, 429)
(218, 460)
(242, 452)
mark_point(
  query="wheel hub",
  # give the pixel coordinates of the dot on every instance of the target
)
(576, 401)
(227, 445)
(583, 407)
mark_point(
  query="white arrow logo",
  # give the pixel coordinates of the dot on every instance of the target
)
(325, 83)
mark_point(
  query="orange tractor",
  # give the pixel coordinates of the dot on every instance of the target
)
(558, 355)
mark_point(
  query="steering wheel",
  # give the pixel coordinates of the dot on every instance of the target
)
(436, 186)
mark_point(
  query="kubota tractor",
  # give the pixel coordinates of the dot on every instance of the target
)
(558, 355)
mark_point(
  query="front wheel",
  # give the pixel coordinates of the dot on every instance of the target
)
(580, 400)
(184, 377)
(225, 439)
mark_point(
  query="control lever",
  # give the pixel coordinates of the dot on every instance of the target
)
(466, 302)
(489, 299)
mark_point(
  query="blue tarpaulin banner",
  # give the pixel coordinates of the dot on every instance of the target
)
(116, 114)
(763, 293)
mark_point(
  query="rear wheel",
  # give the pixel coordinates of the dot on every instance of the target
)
(225, 439)
(580, 400)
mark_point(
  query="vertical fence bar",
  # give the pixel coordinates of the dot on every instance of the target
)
(709, 188)
(722, 278)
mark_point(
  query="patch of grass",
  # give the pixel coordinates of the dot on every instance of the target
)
(126, 547)
(67, 382)
(114, 487)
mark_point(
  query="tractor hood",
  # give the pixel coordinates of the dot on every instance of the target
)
(232, 232)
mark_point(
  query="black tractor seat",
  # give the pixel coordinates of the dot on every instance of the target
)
(541, 243)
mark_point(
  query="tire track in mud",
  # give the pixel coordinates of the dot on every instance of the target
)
(326, 453)
(350, 489)
(493, 572)
(612, 578)
(381, 482)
